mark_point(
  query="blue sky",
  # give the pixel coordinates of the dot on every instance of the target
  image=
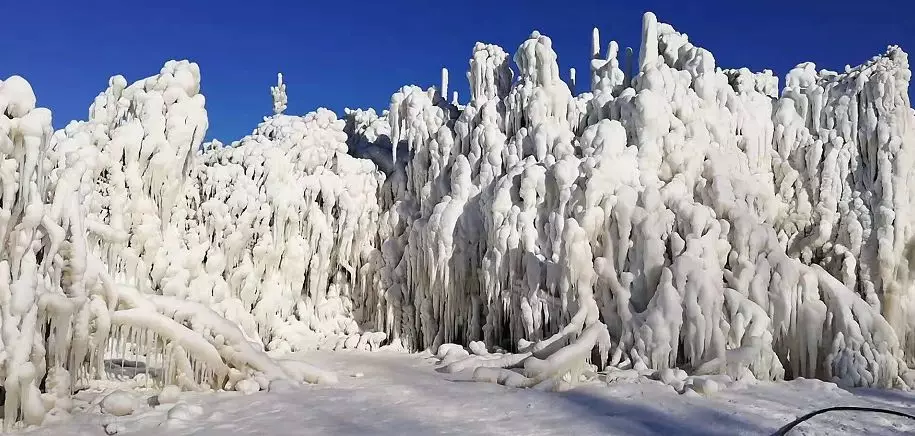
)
(340, 54)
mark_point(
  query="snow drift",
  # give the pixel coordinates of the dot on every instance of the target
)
(675, 216)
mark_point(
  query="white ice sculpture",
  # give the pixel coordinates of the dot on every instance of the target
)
(279, 95)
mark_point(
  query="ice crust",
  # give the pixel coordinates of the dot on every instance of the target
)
(675, 217)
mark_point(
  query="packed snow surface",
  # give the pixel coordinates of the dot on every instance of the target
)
(678, 221)
(403, 395)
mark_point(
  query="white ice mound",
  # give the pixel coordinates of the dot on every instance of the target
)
(687, 213)
(119, 403)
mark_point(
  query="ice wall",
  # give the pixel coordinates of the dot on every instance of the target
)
(101, 248)
(699, 218)
(271, 234)
(287, 225)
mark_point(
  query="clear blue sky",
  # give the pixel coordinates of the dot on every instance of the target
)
(340, 54)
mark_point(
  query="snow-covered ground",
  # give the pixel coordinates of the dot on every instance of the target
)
(386, 393)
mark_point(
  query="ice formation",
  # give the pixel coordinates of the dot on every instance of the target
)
(103, 255)
(279, 95)
(678, 215)
(287, 223)
(677, 218)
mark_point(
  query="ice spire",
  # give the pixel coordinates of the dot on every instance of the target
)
(444, 91)
(595, 43)
(279, 95)
(648, 54)
(572, 80)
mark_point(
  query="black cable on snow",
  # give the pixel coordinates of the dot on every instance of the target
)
(784, 430)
